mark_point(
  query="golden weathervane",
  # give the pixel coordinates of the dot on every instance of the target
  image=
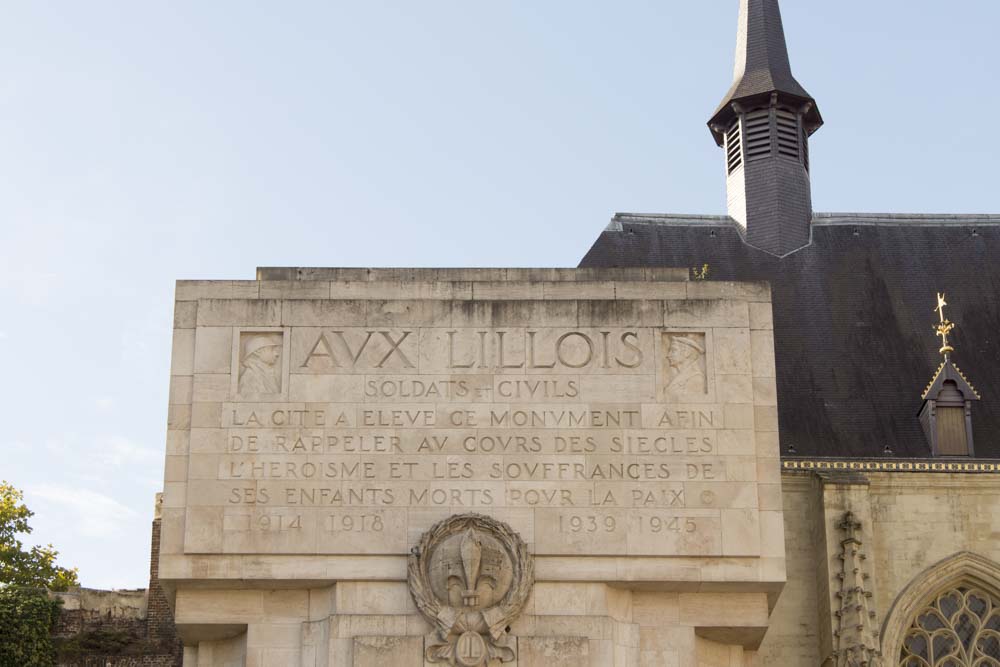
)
(944, 327)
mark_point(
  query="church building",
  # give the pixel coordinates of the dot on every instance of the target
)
(889, 451)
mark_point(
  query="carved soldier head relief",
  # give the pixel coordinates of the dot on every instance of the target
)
(260, 363)
(470, 576)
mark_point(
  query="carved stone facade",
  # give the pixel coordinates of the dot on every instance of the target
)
(539, 467)
(900, 569)
(472, 468)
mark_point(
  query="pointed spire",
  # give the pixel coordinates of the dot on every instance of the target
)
(763, 125)
(762, 67)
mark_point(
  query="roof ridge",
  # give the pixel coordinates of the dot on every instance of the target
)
(911, 218)
(685, 216)
(819, 219)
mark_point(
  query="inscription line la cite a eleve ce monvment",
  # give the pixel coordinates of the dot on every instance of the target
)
(588, 434)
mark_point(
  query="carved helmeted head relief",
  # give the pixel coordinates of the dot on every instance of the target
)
(470, 576)
(260, 363)
(685, 363)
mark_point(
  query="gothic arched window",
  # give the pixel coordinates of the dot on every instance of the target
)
(959, 627)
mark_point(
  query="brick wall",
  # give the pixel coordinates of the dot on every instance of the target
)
(159, 618)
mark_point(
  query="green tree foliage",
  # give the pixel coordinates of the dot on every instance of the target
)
(35, 567)
(26, 619)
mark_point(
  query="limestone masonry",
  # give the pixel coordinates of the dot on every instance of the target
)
(622, 423)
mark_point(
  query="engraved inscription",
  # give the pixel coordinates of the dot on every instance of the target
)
(605, 440)
(533, 349)
(351, 349)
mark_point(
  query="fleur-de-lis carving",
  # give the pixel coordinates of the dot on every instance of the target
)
(472, 557)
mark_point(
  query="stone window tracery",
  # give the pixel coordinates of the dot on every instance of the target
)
(960, 627)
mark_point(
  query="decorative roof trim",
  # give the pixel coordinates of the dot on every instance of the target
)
(883, 465)
(930, 384)
(944, 372)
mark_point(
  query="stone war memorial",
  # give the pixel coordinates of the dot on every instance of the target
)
(469, 467)
(765, 438)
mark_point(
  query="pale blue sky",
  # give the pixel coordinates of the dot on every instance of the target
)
(141, 142)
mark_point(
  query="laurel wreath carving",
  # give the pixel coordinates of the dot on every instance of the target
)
(444, 616)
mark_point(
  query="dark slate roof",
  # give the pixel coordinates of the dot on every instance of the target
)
(853, 313)
(762, 65)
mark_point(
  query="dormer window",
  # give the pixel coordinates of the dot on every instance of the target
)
(946, 415)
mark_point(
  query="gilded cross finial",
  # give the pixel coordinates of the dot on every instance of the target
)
(944, 327)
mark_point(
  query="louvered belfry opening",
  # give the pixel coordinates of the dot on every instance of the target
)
(734, 147)
(757, 134)
(952, 437)
(951, 434)
(763, 133)
(789, 136)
